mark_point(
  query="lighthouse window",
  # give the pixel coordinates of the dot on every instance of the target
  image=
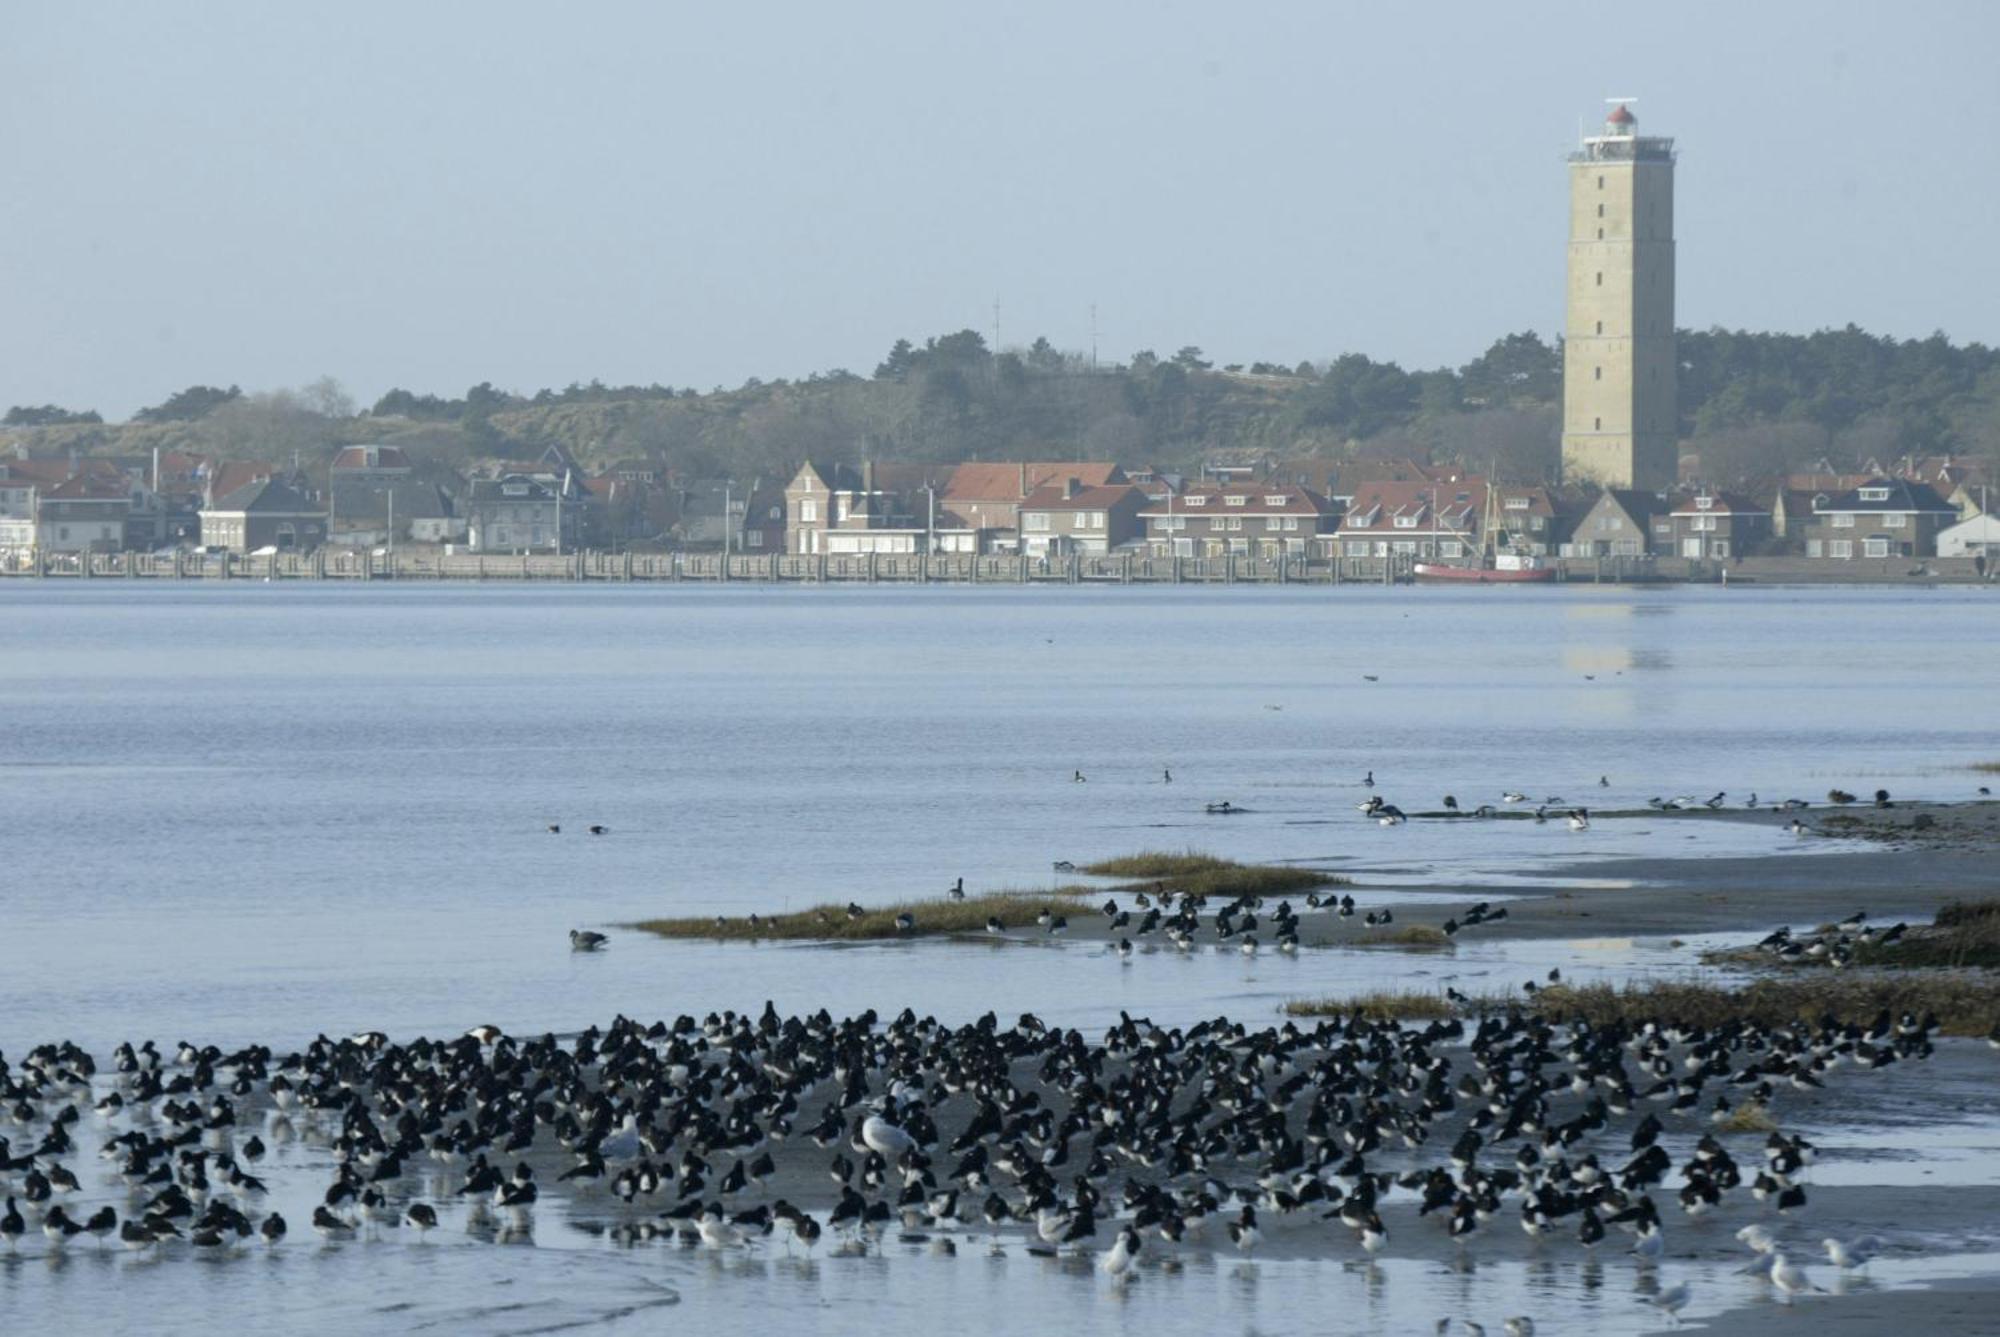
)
(1600, 278)
(1597, 424)
(1600, 234)
(1600, 327)
(1600, 211)
(1600, 183)
(1598, 373)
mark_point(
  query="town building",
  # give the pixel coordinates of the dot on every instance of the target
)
(1711, 525)
(367, 513)
(369, 463)
(1620, 523)
(885, 507)
(987, 497)
(1884, 517)
(1443, 519)
(1070, 519)
(1620, 418)
(525, 512)
(1977, 537)
(264, 513)
(1267, 520)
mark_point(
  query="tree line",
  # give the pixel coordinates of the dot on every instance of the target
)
(1750, 403)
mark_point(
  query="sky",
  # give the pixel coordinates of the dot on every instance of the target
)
(434, 195)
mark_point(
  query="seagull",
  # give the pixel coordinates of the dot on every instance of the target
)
(1117, 1263)
(884, 1136)
(1851, 1253)
(1789, 1277)
(582, 940)
(1670, 1301)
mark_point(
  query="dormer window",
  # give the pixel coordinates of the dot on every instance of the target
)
(1406, 522)
(1874, 494)
(1517, 503)
(1235, 501)
(1196, 501)
(1704, 503)
(1274, 501)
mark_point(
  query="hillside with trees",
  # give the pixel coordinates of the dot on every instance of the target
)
(1751, 405)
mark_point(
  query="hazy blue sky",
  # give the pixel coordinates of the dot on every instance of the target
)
(435, 194)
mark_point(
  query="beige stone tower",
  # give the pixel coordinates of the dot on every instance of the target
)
(1619, 409)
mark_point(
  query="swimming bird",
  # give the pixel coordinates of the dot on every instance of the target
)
(273, 1229)
(599, 829)
(423, 1216)
(1077, 777)
(1519, 1326)
(555, 828)
(583, 940)
(1513, 796)
(12, 1225)
(1579, 819)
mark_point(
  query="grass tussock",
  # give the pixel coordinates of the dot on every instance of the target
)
(1422, 936)
(1987, 767)
(1199, 874)
(1158, 864)
(831, 923)
(1193, 873)
(1749, 1117)
(1383, 1005)
(1965, 1004)
(1965, 935)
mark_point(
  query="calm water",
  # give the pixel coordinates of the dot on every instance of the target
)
(260, 812)
(266, 810)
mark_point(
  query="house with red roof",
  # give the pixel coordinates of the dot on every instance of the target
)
(1267, 520)
(1444, 519)
(1058, 521)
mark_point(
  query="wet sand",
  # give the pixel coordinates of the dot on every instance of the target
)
(1884, 866)
(1963, 1305)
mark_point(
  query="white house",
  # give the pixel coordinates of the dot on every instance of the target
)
(1977, 537)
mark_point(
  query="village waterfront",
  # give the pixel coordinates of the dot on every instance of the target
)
(258, 813)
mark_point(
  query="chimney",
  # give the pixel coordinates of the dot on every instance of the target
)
(867, 476)
(1024, 479)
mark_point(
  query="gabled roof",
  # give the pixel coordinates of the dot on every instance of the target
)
(995, 481)
(1257, 499)
(370, 456)
(1720, 503)
(265, 496)
(89, 487)
(1376, 505)
(1638, 506)
(1085, 499)
(1903, 495)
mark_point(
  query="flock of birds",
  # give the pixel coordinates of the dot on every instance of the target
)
(1134, 1148)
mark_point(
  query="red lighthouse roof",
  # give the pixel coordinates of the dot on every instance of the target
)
(1620, 116)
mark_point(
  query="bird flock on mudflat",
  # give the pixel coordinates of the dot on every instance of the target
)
(738, 1131)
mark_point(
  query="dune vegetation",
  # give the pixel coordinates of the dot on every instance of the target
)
(1152, 872)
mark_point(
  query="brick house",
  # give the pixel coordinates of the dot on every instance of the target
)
(263, 514)
(1057, 521)
(1442, 519)
(1618, 524)
(887, 507)
(1883, 517)
(988, 497)
(1266, 520)
(1710, 525)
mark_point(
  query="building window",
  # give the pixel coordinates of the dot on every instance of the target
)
(1895, 520)
(753, 538)
(1600, 327)
(1813, 548)
(1874, 494)
(1291, 522)
(1840, 548)
(1090, 520)
(1876, 547)
(1600, 211)
(1843, 520)
(809, 511)
(1195, 501)
(1236, 522)
(840, 509)
(1274, 501)
(1600, 234)
(1357, 547)
(1235, 501)
(1036, 520)
(1600, 183)
(1597, 424)
(1449, 548)
(1406, 522)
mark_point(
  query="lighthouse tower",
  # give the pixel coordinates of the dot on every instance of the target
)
(1619, 409)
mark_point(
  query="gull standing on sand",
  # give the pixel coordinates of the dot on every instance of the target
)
(882, 1135)
(1789, 1277)
(1671, 1301)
